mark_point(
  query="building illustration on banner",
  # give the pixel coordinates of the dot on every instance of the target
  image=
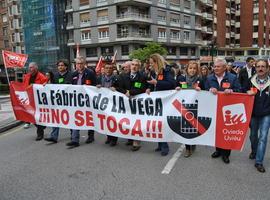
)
(189, 125)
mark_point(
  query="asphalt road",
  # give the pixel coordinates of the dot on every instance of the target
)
(36, 170)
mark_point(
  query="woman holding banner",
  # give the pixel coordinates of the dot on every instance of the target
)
(163, 80)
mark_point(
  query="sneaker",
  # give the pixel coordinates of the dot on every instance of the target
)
(216, 154)
(73, 144)
(164, 153)
(26, 126)
(260, 167)
(89, 140)
(50, 140)
(226, 159)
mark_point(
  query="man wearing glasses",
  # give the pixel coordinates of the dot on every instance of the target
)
(82, 76)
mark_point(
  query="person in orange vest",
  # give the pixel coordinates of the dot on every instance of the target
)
(35, 76)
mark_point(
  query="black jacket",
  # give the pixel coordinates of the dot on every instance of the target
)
(62, 79)
(165, 81)
(137, 85)
(261, 106)
(243, 77)
(88, 78)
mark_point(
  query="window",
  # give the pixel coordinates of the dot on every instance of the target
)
(183, 51)
(175, 34)
(255, 28)
(175, 2)
(13, 37)
(161, 16)
(171, 50)
(123, 31)
(102, 15)
(175, 18)
(21, 36)
(91, 52)
(107, 51)
(186, 35)
(162, 1)
(4, 18)
(187, 4)
(5, 31)
(125, 50)
(86, 35)
(186, 20)
(103, 33)
(84, 2)
(255, 16)
(161, 33)
(85, 17)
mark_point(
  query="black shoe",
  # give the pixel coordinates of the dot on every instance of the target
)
(89, 140)
(129, 142)
(135, 148)
(50, 140)
(260, 167)
(157, 149)
(113, 143)
(107, 141)
(252, 156)
(73, 144)
(216, 154)
(164, 153)
(226, 159)
(39, 137)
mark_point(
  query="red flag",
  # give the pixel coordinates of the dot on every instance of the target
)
(99, 65)
(12, 59)
(78, 50)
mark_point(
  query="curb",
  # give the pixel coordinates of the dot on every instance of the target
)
(10, 125)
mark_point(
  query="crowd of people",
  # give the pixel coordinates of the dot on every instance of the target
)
(157, 75)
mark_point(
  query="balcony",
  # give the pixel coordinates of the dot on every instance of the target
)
(85, 24)
(198, 27)
(102, 20)
(134, 17)
(102, 2)
(69, 8)
(134, 36)
(207, 30)
(70, 25)
(71, 42)
(207, 16)
(137, 1)
(207, 2)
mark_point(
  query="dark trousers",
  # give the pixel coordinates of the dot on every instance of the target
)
(190, 147)
(163, 146)
(40, 130)
(91, 133)
(223, 152)
(112, 138)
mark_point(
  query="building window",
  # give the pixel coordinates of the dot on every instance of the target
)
(4, 18)
(186, 35)
(5, 31)
(161, 33)
(175, 34)
(174, 18)
(21, 36)
(84, 2)
(187, 4)
(255, 28)
(171, 50)
(91, 52)
(101, 1)
(85, 18)
(255, 16)
(161, 16)
(125, 50)
(107, 51)
(186, 20)
(102, 15)
(103, 33)
(175, 2)
(86, 35)
(162, 1)
(183, 51)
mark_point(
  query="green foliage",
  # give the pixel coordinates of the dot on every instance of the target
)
(144, 53)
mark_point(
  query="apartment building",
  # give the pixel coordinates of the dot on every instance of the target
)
(241, 28)
(102, 27)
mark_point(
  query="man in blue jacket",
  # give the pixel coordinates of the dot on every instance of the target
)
(224, 81)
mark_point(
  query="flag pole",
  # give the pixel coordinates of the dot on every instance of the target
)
(5, 67)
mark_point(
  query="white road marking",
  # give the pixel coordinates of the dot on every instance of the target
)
(11, 132)
(169, 166)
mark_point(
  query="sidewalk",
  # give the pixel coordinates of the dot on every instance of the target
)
(7, 118)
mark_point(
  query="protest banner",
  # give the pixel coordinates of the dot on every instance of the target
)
(185, 116)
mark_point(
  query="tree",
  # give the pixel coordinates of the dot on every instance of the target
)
(144, 53)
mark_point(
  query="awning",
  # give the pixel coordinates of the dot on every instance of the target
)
(239, 64)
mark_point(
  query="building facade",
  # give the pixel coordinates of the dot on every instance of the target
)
(44, 31)
(104, 26)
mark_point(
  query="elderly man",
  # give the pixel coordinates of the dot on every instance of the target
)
(82, 76)
(224, 81)
(34, 76)
(126, 67)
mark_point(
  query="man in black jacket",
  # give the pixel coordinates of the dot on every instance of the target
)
(82, 76)
(246, 73)
(131, 84)
(63, 76)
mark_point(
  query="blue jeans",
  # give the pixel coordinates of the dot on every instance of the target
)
(164, 147)
(259, 142)
(55, 133)
(75, 135)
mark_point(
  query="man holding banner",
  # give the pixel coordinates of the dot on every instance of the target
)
(221, 80)
(34, 76)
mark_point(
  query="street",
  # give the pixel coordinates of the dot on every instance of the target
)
(36, 170)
